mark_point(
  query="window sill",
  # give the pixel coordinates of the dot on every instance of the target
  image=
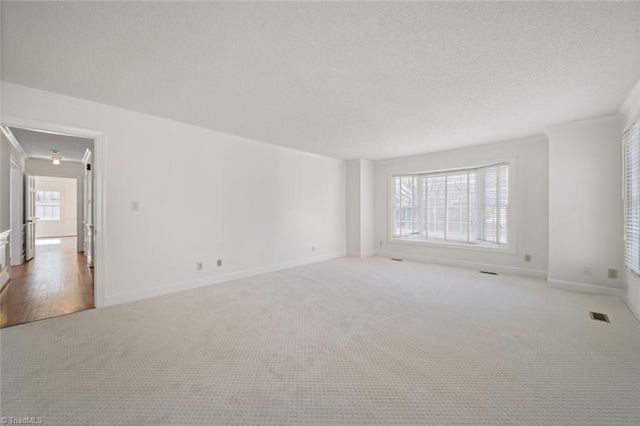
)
(452, 245)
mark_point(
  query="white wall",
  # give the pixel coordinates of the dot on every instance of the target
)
(531, 161)
(629, 112)
(67, 225)
(204, 195)
(585, 204)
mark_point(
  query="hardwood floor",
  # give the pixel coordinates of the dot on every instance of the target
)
(56, 282)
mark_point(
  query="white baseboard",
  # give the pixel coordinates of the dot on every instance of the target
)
(4, 280)
(635, 310)
(584, 288)
(117, 299)
(22, 260)
(466, 264)
(368, 253)
(361, 253)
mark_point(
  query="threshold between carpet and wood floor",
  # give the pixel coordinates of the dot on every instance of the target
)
(346, 341)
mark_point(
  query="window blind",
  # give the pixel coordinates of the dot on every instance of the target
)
(631, 141)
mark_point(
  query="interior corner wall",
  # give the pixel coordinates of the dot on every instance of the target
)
(203, 195)
(585, 205)
(530, 196)
(367, 208)
(360, 211)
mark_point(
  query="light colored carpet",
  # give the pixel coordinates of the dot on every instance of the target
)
(348, 341)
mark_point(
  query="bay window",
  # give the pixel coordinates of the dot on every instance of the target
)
(466, 206)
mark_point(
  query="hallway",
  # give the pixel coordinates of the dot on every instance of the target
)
(56, 282)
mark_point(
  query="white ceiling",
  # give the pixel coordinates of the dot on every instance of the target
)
(349, 80)
(40, 144)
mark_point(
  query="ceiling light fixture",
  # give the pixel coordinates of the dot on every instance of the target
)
(55, 157)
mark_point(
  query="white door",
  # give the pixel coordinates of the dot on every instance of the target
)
(31, 217)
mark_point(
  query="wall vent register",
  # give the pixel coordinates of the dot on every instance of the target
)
(597, 316)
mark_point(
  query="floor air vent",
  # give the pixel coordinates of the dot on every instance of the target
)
(487, 272)
(599, 317)
(397, 260)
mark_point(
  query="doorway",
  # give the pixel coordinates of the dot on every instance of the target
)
(52, 275)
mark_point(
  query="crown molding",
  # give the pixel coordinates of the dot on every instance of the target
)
(14, 142)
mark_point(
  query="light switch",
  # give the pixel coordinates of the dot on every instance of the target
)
(135, 206)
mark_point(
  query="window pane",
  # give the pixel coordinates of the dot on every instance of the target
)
(48, 205)
(405, 206)
(503, 204)
(408, 206)
(457, 207)
(52, 197)
(632, 198)
(396, 207)
(490, 209)
(436, 187)
(474, 208)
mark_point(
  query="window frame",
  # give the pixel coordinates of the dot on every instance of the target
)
(59, 205)
(509, 248)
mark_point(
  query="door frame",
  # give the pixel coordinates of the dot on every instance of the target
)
(16, 234)
(30, 218)
(99, 189)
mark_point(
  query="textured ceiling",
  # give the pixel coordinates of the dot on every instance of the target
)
(40, 144)
(349, 80)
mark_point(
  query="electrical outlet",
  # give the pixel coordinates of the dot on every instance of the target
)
(198, 266)
(586, 270)
(135, 206)
(527, 258)
(613, 274)
(219, 263)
